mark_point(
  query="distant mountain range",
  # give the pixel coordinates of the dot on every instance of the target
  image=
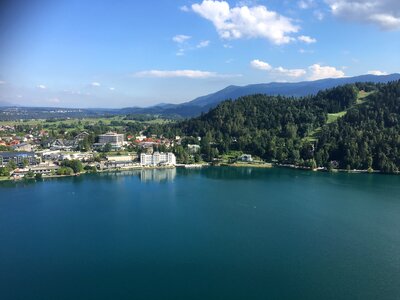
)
(205, 103)
(298, 89)
(5, 104)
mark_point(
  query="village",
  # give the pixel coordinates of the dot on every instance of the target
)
(36, 155)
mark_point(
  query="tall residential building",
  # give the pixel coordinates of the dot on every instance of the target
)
(158, 158)
(111, 138)
(116, 140)
(18, 158)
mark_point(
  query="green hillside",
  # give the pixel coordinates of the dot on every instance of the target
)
(350, 127)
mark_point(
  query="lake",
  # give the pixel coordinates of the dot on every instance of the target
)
(214, 233)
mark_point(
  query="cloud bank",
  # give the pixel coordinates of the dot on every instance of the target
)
(247, 22)
(313, 72)
(193, 74)
(383, 13)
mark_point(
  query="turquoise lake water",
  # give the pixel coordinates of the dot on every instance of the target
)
(215, 233)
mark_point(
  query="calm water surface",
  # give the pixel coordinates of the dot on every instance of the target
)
(216, 233)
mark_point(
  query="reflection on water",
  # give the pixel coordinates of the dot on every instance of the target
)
(145, 175)
(157, 175)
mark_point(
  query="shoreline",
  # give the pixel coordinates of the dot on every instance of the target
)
(321, 169)
(199, 166)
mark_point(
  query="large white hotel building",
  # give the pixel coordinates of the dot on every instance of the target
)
(158, 158)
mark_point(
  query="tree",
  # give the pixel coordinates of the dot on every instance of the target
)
(29, 175)
(107, 147)
(25, 162)
(11, 165)
(74, 164)
(4, 171)
(65, 171)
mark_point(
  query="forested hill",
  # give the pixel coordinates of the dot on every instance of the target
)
(354, 126)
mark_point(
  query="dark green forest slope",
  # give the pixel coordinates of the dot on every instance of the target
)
(335, 128)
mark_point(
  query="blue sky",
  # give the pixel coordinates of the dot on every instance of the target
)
(139, 53)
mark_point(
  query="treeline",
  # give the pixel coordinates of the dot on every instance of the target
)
(295, 130)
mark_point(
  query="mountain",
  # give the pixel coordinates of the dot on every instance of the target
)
(204, 103)
(5, 104)
(296, 89)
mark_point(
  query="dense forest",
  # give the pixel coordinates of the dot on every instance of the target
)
(355, 126)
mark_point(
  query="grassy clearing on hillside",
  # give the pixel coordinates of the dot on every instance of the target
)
(313, 136)
(362, 95)
(231, 155)
(334, 117)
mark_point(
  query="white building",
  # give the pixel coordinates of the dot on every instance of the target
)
(111, 138)
(158, 158)
(246, 157)
(116, 140)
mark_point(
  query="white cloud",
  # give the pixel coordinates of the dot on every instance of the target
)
(180, 52)
(313, 72)
(247, 22)
(260, 65)
(184, 46)
(111, 89)
(320, 72)
(306, 39)
(41, 86)
(291, 72)
(203, 44)
(184, 8)
(264, 66)
(95, 84)
(377, 72)
(305, 4)
(384, 13)
(304, 51)
(193, 74)
(2, 82)
(181, 38)
(318, 14)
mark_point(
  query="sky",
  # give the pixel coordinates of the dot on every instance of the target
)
(125, 53)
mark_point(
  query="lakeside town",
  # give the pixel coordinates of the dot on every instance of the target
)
(36, 154)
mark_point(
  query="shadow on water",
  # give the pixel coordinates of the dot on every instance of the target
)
(248, 173)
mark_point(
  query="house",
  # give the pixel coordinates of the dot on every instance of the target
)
(81, 136)
(141, 137)
(193, 149)
(22, 147)
(246, 158)
(62, 144)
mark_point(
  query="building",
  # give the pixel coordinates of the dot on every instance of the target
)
(61, 144)
(116, 140)
(158, 158)
(22, 147)
(121, 161)
(111, 138)
(246, 158)
(18, 157)
(193, 148)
